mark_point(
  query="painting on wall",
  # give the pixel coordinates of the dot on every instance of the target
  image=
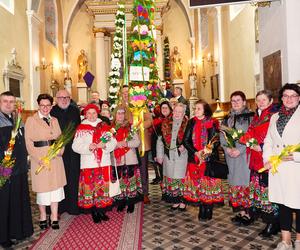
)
(272, 73)
(214, 82)
(50, 22)
(14, 87)
(209, 3)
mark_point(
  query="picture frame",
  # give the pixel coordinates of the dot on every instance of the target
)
(214, 84)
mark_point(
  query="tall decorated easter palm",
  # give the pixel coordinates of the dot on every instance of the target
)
(143, 71)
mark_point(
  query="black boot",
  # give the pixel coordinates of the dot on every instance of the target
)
(130, 208)
(209, 211)
(202, 212)
(270, 229)
(103, 216)
(96, 216)
(121, 207)
(246, 221)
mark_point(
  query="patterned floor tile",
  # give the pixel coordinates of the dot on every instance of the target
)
(167, 229)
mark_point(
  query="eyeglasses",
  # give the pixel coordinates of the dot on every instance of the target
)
(63, 97)
(290, 96)
(45, 106)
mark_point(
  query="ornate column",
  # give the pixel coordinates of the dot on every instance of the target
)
(107, 44)
(220, 56)
(101, 85)
(193, 78)
(159, 54)
(34, 57)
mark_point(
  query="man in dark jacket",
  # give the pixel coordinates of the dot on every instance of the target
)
(66, 114)
(181, 99)
(15, 212)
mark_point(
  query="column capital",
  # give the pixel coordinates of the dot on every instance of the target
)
(100, 30)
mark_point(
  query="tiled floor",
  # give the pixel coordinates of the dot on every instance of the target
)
(167, 229)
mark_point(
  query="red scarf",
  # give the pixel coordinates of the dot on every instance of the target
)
(166, 129)
(199, 138)
(100, 129)
(121, 135)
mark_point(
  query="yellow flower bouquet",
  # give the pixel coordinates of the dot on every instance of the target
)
(65, 137)
(275, 160)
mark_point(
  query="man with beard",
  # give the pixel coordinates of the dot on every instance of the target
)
(15, 212)
(66, 114)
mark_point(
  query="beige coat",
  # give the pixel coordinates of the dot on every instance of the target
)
(37, 129)
(284, 185)
(130, 158)
(147, 125)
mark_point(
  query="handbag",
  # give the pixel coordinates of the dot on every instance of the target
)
(114, 187)
(216, 169)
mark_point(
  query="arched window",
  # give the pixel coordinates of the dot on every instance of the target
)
(8, 5)
(51, 21)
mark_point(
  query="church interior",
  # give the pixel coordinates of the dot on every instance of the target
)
(209, 51)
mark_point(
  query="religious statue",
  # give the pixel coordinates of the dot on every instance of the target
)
(176, 64)
(82, 63)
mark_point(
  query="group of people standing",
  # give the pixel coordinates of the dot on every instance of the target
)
(184, 154)
(185, 151)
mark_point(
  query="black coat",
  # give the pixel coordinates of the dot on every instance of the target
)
(19, 152)
(189, 145)
(70, 158)
(15, 212)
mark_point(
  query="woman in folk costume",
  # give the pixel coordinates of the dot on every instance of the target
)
(201, 190)
(284, 185)
(173, 156)
(239, 118)
(125, 158)
(163, 111)
(258, 187)
(93, 192)
(41, 130)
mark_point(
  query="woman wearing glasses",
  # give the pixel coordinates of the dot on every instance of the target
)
(239, 173)
(41, 130)
(284, 185)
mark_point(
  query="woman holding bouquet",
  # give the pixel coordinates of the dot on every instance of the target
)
(173, 156)
(126, 162)
(95, 164)
(254, 140)
(199, 189)
(41, 130)
(239, 173)
(284, 185)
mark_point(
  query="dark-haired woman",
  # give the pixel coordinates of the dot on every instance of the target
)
(163, 112)
(41, 130)
(200, 190)
(239, 173)
(284, 185)
(258, 187)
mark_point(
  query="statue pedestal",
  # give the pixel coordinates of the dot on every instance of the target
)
(192, 101)
(179, 83)
(82, 92)
(68, 85)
